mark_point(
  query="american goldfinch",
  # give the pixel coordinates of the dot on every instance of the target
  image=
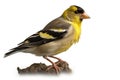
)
(56, 37)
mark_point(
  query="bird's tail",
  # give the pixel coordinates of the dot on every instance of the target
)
(9, 53)
(14, 50)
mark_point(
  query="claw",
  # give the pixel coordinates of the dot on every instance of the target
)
(57, 69)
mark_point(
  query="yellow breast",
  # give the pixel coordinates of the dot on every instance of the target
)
(77, 32)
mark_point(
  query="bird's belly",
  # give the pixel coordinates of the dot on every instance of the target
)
(64, 46)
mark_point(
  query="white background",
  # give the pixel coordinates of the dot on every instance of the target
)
(95, 57)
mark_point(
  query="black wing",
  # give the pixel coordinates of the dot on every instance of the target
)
(43, 37)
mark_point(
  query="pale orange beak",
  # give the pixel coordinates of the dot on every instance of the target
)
(84, 16)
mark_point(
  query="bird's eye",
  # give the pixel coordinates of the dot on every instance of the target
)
(76, 12)
(79, 11)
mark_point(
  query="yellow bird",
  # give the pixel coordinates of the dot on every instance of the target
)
(56, 37)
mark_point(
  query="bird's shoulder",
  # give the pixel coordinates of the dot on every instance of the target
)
(58, 23)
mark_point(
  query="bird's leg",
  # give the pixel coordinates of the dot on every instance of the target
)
(53, 65)
(59, 60)
(56, 58)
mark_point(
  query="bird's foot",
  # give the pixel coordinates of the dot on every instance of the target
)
(57, 69)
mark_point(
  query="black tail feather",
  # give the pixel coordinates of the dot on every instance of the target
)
(15, 50)
(9, 53)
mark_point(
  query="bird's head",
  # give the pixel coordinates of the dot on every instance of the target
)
(75, 13)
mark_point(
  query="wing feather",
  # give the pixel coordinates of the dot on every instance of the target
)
(43, 37)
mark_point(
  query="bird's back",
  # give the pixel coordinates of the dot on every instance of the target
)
(58, 23)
